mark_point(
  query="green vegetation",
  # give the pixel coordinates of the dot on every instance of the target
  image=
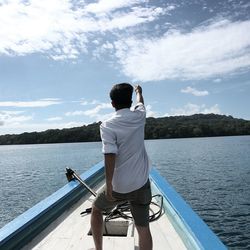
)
(199, 125)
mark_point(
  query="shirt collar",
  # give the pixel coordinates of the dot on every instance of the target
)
(122, 111)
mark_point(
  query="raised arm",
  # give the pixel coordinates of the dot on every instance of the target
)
(138, 91)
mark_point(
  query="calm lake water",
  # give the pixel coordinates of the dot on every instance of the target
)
(211, 174)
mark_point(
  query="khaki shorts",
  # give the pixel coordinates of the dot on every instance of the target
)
(139, 201)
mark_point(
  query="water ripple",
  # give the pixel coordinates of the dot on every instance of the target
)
(211, 174)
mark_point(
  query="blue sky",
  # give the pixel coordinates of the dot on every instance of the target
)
(59, 59)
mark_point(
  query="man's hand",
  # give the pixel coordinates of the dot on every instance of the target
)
(138, 89)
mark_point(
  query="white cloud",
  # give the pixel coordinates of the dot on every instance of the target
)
(171, 7)
(135, 17)
(85, 103)
(31, 104)
(190, 109)
(207, 51)
(101, 112)
(110, 5)
(15, 128)
(94, 113)
(214, 109)
(12, 122)
(56, 118)
(9, 118)
(150, 112)
(38, 26)
(195, 92)
(75, 113)
(217, 80)
(62, 29)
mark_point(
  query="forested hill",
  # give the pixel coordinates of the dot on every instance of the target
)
(199, 125)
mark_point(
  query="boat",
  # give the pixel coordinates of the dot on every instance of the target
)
(62, 220)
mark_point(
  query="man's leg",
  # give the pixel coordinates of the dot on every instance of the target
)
(140, 211)
(100, 204)
(96, 226)
(145, 238)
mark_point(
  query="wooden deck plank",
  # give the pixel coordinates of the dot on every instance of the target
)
(109, 243)
(164, 235)
(69, 225)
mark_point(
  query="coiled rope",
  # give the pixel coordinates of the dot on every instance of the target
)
(121, 210)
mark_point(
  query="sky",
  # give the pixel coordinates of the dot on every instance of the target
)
(60, 58)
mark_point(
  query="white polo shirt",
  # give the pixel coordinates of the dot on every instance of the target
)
(123, 135)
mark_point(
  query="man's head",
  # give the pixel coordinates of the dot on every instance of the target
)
(121, 95)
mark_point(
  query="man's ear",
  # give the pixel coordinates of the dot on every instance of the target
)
(113, 104)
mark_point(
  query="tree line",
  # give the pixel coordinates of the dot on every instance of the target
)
(199, 125)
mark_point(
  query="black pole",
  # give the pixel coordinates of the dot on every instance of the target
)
(71, 174)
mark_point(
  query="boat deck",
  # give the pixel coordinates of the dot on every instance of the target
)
(70, 231)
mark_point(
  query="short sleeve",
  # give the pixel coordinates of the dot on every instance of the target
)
(109, 145)
(140, 107)
(140, 110)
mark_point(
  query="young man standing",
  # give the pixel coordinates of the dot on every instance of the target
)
(126, 165)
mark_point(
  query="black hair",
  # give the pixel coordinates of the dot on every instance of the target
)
(121, 95)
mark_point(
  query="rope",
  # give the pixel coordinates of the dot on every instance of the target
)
(123, 211)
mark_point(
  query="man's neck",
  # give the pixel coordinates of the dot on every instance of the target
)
(119, 108)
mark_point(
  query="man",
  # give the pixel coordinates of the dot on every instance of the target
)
(126, 165)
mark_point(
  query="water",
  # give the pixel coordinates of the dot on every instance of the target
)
(211, 174)
(29, 173)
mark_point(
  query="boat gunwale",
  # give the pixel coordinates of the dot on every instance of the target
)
(18, 232)
(193, 224)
